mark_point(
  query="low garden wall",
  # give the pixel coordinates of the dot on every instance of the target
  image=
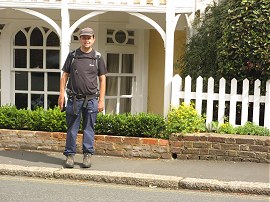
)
(189, 146)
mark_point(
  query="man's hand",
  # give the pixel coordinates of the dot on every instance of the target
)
(100, 105)
(61, 101)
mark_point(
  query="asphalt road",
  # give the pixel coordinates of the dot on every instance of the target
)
(25, 189)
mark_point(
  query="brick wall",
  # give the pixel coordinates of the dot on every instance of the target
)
(193, 146)
(220, 147)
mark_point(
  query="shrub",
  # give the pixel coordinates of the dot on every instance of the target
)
(142, 124)
(252, 129)
(12, 118)
(185, 119)
(226, 128)
(248, 129)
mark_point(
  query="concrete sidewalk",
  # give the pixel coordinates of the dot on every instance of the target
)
(236, 177)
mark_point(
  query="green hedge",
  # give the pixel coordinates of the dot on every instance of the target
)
(142, 124)
(183, 119)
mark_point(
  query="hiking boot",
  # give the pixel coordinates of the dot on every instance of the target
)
(86, 160)
(70, 161)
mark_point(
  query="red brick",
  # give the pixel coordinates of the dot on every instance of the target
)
(245, 141)
(259, 148)
(176, 144)
(59, 135)
(113, 139)
(162, 142)
(100, 138)
(131, 140)
(149, 141)
(43, 135)
(191, 138)
(216, 139)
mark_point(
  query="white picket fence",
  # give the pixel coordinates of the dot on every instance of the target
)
(245, 99)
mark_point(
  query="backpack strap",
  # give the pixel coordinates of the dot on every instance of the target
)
(97, 56)
(73, 56)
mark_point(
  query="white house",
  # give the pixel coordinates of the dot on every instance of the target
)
(139, 40)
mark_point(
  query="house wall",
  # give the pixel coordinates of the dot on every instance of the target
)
(156, 68)
(180, 39)
(156, 73)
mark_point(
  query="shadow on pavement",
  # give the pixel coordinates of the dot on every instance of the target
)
(30, 157)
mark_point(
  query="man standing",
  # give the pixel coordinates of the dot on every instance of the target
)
(80, 72)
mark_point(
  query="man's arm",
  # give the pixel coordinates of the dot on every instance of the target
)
(63, 82)
(102, 88)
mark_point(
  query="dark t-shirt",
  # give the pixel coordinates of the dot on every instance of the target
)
(84, 72)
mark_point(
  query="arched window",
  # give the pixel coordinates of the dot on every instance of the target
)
(36, 71)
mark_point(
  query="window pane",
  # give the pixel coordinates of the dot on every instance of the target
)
(125, 105)
(21, 81)
(109, 40)
(130, 41)
(53, 40)
(110, 106)
(113, 63)
(36, 38)
(52, 59)
(111, 86)
(37, 100)
(127, 63)
(20, 39)
(20, 58)
(53, 81)
(52, 101)
(131, 33)
(120, 37)
(126, 86)
(36, 58)
(21, 101)
(37, 81)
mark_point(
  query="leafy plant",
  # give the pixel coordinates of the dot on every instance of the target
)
(12, 118)
(142, 124)
(231, 40)
(184, 119)
(226, 128)
(248, 129)
(252, 129)
(244, 48)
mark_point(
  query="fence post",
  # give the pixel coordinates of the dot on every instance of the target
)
(256, 102)
(176, 87)
(199, 90)
(210, 98)
(221, 100)
(245, 94)
(232, 115)
(267, 106)
(187, 90)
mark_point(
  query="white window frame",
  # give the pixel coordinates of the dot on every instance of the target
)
(30, 70)
(140, 74)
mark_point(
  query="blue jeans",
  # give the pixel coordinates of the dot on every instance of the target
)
(73, 119)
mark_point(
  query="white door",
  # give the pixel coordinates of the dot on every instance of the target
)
(123, 72)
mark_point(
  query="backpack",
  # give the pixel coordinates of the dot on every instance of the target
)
(72, 54)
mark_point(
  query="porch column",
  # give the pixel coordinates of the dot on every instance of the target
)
(65, 35)
(169, 52)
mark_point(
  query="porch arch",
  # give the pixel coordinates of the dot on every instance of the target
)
(43, 17)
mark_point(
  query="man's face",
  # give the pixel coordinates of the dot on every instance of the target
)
(87, 41)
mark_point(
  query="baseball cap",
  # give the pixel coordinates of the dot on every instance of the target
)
(87, 31)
